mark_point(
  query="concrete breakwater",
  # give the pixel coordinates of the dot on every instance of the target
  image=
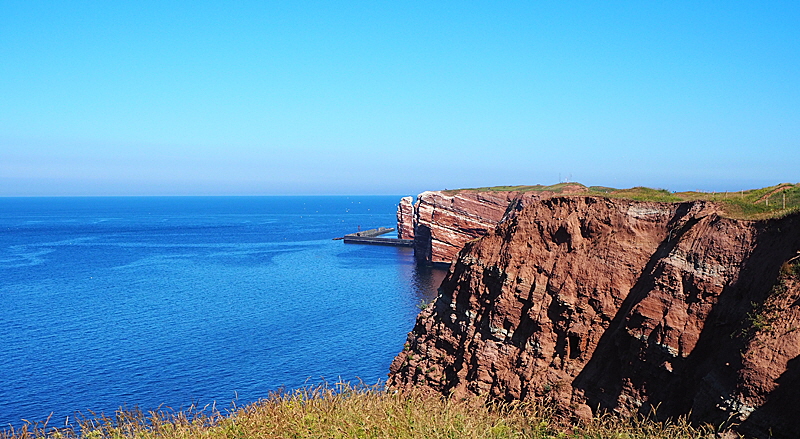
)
(371, 233)
(371, 237)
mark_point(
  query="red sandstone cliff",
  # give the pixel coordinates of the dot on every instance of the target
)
(623, 306)
(442, 222)
(405, 218)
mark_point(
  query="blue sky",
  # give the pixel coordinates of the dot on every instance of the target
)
(260, 98)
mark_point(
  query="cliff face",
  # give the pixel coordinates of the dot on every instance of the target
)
(622, 305)
(405, 218)
(441, 222)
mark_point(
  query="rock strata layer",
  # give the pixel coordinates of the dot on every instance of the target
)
(405, 218)
(600, 304)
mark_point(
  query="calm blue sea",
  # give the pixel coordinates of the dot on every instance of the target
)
(144, 301)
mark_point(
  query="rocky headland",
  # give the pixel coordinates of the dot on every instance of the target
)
(441, 222)
(596, 303)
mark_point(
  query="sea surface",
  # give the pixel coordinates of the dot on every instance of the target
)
(171, 301)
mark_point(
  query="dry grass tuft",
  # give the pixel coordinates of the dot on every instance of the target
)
(345, 411)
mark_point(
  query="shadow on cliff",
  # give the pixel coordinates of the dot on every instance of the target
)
(423, 244)
(780, 415)
(697, 383)
(601, 379)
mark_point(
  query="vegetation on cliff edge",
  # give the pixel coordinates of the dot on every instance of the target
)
(768, 202)
(345, 411)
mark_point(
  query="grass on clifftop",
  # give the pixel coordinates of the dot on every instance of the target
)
(357, 412)
(768, 202)
(555, 188)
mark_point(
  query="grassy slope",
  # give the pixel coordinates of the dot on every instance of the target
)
(761, 203)
(347, 412)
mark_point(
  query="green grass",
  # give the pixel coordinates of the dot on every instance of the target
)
(760, 203)
(359, 412)
(556, 188)
(641, 194)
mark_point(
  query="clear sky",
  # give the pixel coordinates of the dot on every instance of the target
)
(373, 97)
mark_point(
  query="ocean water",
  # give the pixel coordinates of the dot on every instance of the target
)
(171, 301)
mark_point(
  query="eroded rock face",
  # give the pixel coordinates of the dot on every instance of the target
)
(622, 305)
(405, 218)
(442, 222)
